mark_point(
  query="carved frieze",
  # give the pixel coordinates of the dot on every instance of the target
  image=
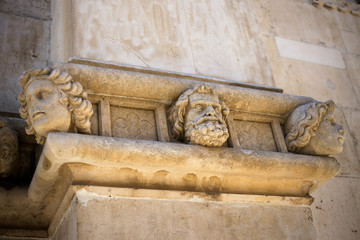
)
(52, 102)
(133, 123)
(135, 110)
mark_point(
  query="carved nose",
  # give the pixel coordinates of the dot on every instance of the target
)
(210, 111)
(341, 130)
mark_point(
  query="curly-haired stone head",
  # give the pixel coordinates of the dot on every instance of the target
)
(198, 117)
(311, 129)
(52, 102)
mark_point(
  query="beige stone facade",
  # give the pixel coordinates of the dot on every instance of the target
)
(129, 178)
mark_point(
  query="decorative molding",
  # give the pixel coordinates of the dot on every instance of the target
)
(345, 8)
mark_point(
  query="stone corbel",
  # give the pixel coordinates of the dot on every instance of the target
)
(129, 144)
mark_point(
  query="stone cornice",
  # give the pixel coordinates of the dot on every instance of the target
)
(119, 162)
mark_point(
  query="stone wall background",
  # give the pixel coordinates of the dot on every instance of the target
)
(259, 41)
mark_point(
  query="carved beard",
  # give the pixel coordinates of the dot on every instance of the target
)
(205, 132)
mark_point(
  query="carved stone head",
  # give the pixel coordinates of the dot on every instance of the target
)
(8, 150)
(312, 129)
(198, 117)
(52, 102)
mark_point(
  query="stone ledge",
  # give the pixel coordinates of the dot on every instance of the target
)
(119, 162)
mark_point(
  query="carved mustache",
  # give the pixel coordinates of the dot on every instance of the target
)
(208, 118)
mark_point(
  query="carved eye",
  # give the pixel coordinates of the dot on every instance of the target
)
(198, 107)
(42, 95)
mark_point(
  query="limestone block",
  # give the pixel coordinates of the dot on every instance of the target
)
(25, 43)
(352, 119)
(309, 53)
(314, 80)
(336, 209)
(68, 226)
(224, 40)
(299, 20)
(142, 33)
(38, 9)
(352, 41)
(100, 216)
(320, 27)
(191, 37)
(353, 68)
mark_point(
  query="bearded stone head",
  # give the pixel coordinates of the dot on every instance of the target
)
(198, 117)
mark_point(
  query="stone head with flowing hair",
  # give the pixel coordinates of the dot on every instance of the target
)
(52, 101)
(311, 129)
(199, 117)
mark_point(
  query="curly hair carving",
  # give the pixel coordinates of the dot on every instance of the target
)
(74, 98)
(304, 127)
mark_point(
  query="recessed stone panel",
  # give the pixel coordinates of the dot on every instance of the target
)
(95, 120)
(133, 123)
(255, 135)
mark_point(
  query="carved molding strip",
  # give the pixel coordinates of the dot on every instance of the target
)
(345, 8)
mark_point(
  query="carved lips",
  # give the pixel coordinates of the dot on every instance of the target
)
(37, 115)
(205, 119)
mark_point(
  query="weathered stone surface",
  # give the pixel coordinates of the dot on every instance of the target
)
(353, 68)
(156, 165)
(308, 79)
(171, 35)
(150, 33)
(39, 9)
(255, 136)
(68, 225)
(157, 217)
(352, 119)
(352, 42)
(300, 22)
(225, 43)
(309, 53)
(9, 150)
(335, 209)
(25, 43)
(157, 86)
